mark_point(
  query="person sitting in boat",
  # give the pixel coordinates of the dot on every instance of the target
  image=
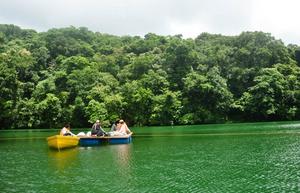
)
(97, 129)
(114, 126)
(65, 131)
(122, 128)
(119, 128)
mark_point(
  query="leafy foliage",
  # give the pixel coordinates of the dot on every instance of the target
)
(78, 76)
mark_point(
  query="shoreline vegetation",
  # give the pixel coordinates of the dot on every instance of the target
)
(295, 124)
(203, 130)
(78, 76)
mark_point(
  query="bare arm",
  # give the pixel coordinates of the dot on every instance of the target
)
(127, 129)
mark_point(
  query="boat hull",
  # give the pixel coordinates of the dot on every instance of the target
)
(93, 140)
(62, 142)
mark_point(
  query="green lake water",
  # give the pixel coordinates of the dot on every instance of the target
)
(256, 157)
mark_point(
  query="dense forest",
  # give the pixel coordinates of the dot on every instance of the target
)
(76, 75)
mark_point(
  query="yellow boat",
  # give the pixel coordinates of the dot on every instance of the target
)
(61, 142)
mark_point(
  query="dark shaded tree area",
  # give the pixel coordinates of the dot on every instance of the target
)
(76, 75)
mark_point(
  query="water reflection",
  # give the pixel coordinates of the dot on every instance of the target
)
(64, 159)
(122, 155)
(122, 158)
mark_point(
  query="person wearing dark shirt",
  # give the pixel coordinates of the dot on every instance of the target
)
(114, 126)
(97, 129)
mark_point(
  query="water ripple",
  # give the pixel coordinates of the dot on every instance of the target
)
(232, 163)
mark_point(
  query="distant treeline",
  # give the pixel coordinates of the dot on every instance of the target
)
(76, 75)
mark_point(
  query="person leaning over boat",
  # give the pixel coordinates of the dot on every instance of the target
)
(122, 128)
(119, 128)
(65, 131)
(97, 129)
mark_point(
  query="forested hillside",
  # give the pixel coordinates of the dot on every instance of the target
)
(76, 75)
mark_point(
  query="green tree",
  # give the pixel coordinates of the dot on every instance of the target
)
(138, 106)
(96, 110)
(166, 108)
(273, 97)
(179, 59)
(49, 111)
(206, 98)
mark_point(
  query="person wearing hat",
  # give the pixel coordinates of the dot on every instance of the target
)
(97, 129)
(122, 127)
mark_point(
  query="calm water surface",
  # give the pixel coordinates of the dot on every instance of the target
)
(261, 157)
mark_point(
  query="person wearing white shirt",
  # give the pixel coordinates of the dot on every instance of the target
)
(65, 131)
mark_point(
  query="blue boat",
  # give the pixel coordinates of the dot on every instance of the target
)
(95, 140)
